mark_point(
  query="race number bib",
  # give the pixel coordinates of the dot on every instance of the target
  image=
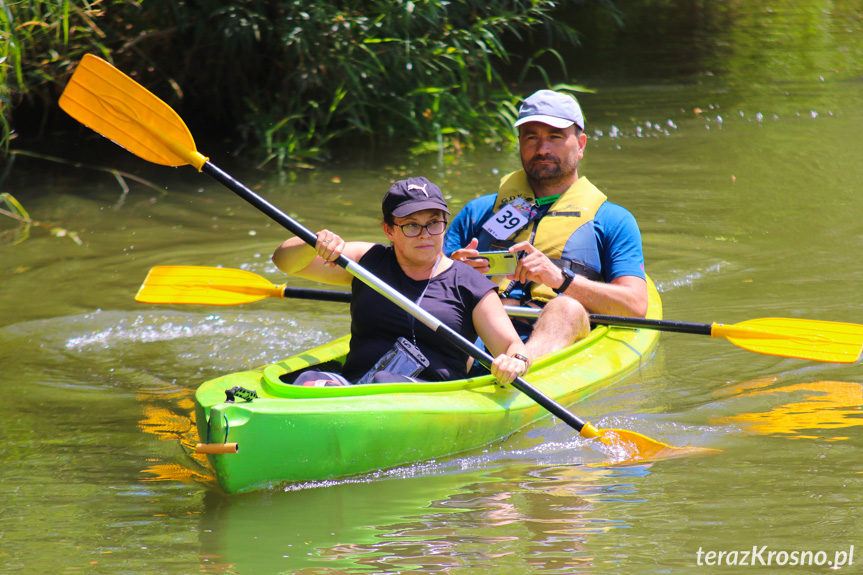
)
(509, 219)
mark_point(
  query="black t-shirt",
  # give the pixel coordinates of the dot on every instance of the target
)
(376, 322)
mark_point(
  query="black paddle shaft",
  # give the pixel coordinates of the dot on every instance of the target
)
(614, 320)
(657, 324)
(316, 294)
(395, 297)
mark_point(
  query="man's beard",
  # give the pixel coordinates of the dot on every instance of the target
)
(549, 175)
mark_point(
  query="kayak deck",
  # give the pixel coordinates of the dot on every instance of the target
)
(292, 433)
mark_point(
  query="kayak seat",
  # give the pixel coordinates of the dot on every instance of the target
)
(319, 378)
(316, 378)
(332, 366)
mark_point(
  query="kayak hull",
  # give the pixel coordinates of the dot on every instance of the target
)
(293, 434)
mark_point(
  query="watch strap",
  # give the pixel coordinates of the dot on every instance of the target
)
(568, 275)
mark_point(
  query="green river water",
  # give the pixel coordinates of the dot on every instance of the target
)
(743, 167)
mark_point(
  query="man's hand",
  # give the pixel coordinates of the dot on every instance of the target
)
(470, 255)
(535, 266)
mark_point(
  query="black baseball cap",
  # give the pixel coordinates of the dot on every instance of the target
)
(413, 195)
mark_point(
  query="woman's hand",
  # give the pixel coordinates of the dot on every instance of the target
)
(329, 247)
(470, 256)
(506, 368)
(317, 263)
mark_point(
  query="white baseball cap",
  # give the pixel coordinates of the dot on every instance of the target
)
(553, 108)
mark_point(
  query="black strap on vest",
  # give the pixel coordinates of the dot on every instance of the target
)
(579, 269)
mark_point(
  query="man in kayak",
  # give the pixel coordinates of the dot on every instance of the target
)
(386, 343)
(578, 253)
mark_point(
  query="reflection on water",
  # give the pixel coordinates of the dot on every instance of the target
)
(819, 406)
(498, 520)
(171, 417)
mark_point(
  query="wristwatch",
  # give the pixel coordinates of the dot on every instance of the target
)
(568, 276)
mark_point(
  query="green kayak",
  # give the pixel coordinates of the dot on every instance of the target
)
(291, 433)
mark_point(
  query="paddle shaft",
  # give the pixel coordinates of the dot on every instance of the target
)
(519, 311)
(316, 294)
(345, 297)
(805, 339)
(657, 324)
(392, 295)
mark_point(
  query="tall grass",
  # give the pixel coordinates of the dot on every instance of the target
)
(427, 72)
(294, 76)
(41, 41)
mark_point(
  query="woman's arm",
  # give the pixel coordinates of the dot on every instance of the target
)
(296, 257)
(495, 328)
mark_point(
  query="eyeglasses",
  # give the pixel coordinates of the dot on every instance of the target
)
(434, 228)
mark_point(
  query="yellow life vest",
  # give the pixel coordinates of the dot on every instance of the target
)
(553, 234)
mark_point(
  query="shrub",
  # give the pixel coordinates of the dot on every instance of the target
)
(293, 76)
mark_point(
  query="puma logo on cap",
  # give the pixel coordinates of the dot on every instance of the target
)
(421, 188)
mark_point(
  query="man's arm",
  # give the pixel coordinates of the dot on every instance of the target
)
(624, 295)
(467, 224)
(461, 240)
(622, 257)
(622, 260)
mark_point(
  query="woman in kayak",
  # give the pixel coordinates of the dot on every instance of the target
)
(387, 344)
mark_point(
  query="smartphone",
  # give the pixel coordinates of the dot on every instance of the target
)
(499, 262)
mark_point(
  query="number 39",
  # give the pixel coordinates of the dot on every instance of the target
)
(507, 219)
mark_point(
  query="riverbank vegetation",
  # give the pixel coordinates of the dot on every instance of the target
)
(290, 78)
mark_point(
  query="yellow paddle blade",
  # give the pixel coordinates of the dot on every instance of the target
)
(108, 101)
(633, 446)
(828, 341)
(204, 285)
(638, 447)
